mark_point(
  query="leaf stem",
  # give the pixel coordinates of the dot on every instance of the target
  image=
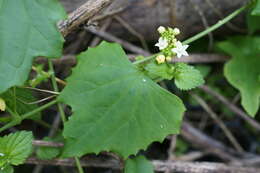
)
(61, 111)
(146, 59)
(17, 121)
(203, 33)
(217, 25)
(80, 169)
(39, 109)
(55, 87)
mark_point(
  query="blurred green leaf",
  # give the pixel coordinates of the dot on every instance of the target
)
(242, 71)
(138, 164)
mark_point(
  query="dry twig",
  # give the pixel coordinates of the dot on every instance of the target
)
(221, 124)
(185, 167)
(231, 106)
(81, 15)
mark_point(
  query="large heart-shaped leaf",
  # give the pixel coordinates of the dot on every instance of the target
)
(243, 71)
(115, 107)
(27, 29)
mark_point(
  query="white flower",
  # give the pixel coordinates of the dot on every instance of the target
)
(180, 49)
(162, 43)
(1, 155)
(176, 31)
(161, 29)
(160, 59)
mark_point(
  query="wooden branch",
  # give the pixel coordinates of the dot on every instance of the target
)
(205, 142)
(47, 143)
(201, 167)
(185, 167)
(203, 58)
(81, 15)
(232, 107)
(127, 45)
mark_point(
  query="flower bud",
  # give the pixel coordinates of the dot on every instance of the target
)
(161, 29)
(176, 31)
(160, 59)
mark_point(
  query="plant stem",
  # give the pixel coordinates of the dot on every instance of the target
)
(203, 33)
(17, 121)
(39, 109)
(145, 59)
(61, 111)
(8, 125)
(80, 169)
(5, 119)
(217, 25)
(55, 87)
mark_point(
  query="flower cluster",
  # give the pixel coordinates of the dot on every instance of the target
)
(169, 45)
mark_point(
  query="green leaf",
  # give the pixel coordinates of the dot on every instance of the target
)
(155, 70)
(242, 71)
(204, 70)
(115, 107)
(7, 169)
(15, 148)
(256, 8)
(138, 165)
(48, 153)
(28, 29)
(253, 23)
(19, 99)
(187, 77)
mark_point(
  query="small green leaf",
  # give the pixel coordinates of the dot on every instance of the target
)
(204, 70)
(243, 71)
(115, 107)
(7, 169)
(155, 70)
(28, 29)
(47, 153)
(15, 148)
(256, 8)
(253, 23)
(138, 165)
(187, 77)
(19, 99)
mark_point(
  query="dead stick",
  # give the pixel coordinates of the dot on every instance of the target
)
(185, 167)
(231, 106)
(81, 15)
(221, 124)
(125, 44)
(205, 142)
(47, 143)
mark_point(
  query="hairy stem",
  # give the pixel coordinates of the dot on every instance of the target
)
(61, 111)
(217, 25)
(17, 121)
(55, 87)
